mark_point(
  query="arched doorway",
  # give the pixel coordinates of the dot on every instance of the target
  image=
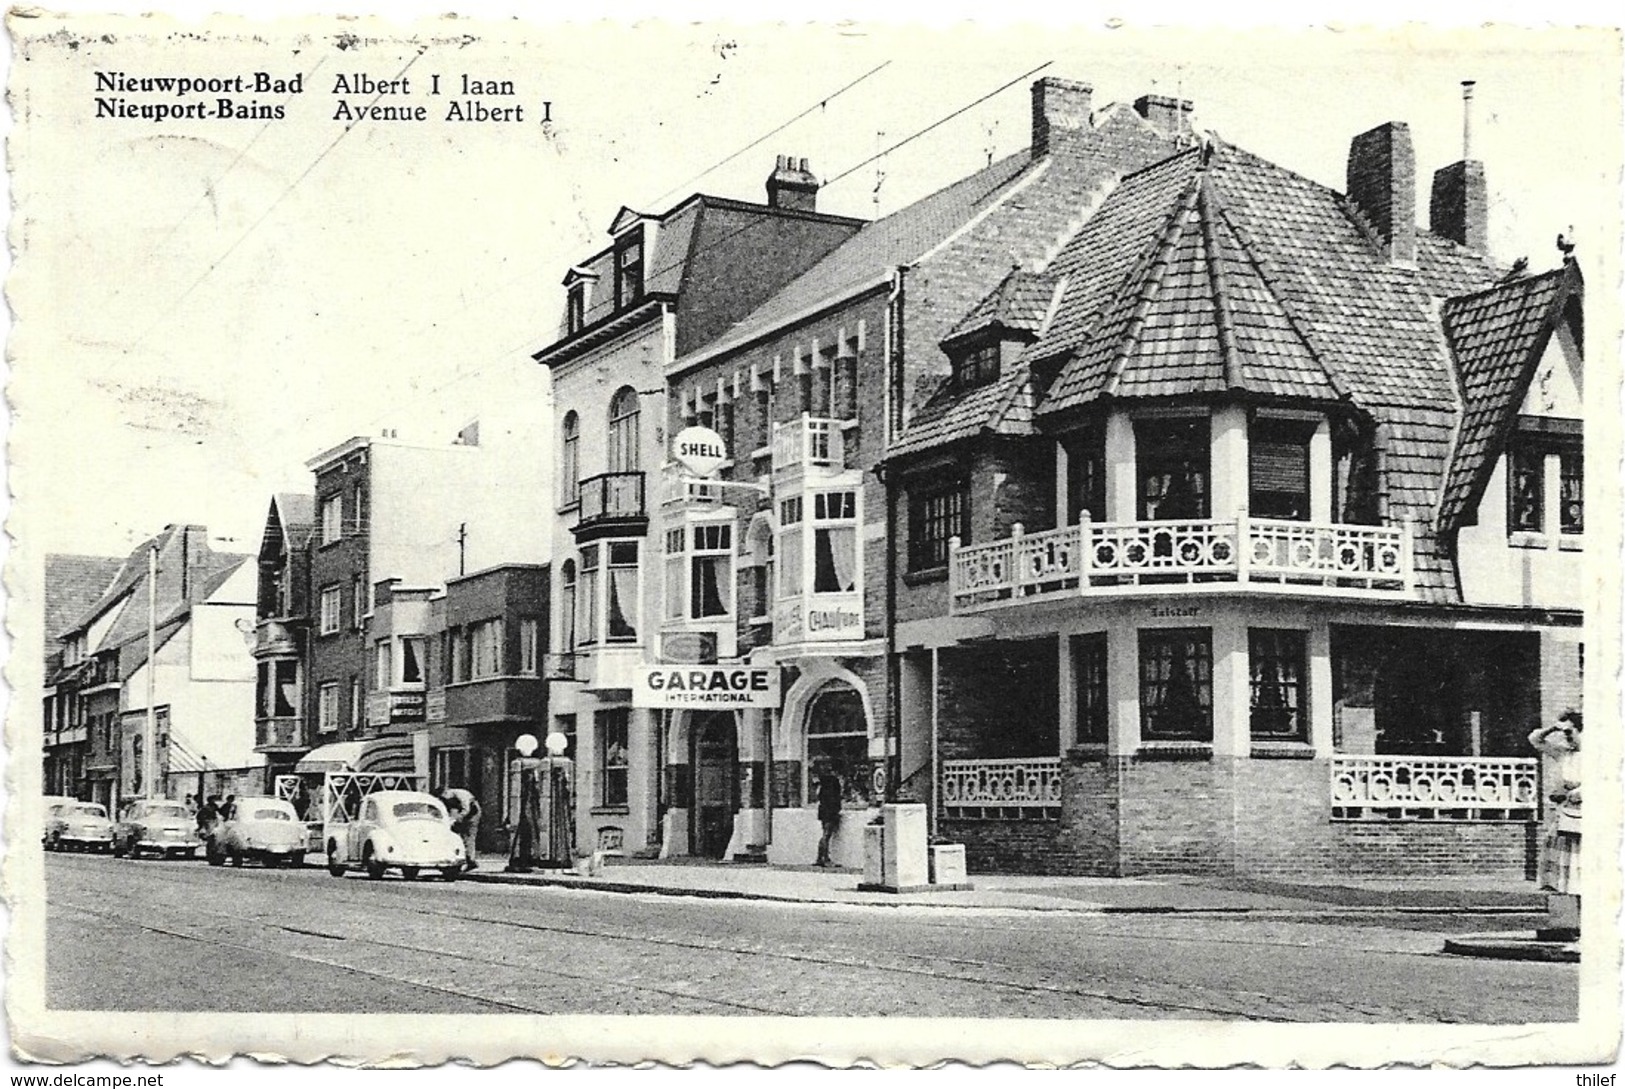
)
(838, 735)
(716, 782)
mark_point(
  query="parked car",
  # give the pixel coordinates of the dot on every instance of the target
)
(78, 826)
(50, 802)
(265, 829)
(159, 825)
(396, 829)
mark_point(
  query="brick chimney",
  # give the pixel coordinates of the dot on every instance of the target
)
(1382, 187)
(1169, 116)
(1459, 208)
(1059, 105)
(792, 186)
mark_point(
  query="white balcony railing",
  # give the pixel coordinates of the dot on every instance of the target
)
(1106, 557)
(995, 789)
(810, 442)
(1435, 788)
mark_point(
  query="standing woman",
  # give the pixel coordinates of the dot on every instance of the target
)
(1560, 853)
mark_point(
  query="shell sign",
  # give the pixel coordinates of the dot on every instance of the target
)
(699, 450)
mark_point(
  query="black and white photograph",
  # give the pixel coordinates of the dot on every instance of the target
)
(866, 542)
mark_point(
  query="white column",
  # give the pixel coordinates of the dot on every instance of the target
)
(1320, 688)
(1232, 724)
(1229, 457)
(1320, 474)
(1551, 523)
(1066, 728)
(1123, 688)
(1063, 516)
(1120, 471)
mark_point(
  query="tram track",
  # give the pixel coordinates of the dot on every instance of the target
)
(899, 965)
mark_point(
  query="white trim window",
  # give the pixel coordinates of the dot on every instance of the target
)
(485, 639)
(331, 610)
(382, 665)
(530, 642)
(700, 571)
(791, 550)
(837, 566)
(567, 606)
(607, 592)
(332, 517)
(327, 707)
(413, 659)
(570, 459)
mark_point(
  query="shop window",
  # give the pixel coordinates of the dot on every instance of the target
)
(570, 459)
(1526, 489)
(1278, 679)
(838, 733)
(454, 768)
(1176, 684)
(835, 542)
(1172, 461)
(1571, 475)
(937, 512)
(1278, 469)
(612, 726)
(1089, 676)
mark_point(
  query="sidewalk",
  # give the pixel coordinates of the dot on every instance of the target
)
(1094, 895)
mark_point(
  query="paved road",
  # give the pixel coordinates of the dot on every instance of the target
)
(182, 936)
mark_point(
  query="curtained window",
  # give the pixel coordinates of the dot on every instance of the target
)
(1176, 684)
(1278, 669)
(622, 604)
(837, 732)
(570, 459)
(835, 542)
(588, 594)
(711, 570)
(567, 606)
(1172, 459)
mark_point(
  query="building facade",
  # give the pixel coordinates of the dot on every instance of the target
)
(197, 603)
(666, 284)
(1245, 535)
(807, 392)
(72, 585)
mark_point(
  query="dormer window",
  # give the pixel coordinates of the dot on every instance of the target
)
(575, 308)
(629, 270)
(977, 367)
(1278, 469)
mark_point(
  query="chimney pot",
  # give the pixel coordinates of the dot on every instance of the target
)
(1166, 114)
(1382, 187)
(1059, 105)
(792, 185)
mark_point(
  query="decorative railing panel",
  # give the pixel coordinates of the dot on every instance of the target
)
(279, 733)
(1115, 557)
(1002, 789)
(1442, 788)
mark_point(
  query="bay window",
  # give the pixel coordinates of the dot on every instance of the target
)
(622, 610)
(485, 649)
(1278, 469)
(567, 606)
(607, 592)
(835, 542)
(1278, 670)
(1172, 459)
(589, 593)
(790, 548)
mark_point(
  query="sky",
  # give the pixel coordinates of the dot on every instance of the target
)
(204, 306)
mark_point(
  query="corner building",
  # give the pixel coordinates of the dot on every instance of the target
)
(665, 284)
(1245, 533)
(806, 393)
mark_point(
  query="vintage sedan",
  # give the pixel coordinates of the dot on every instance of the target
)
(265, 829)
(396, 829)
(158, 825)
(78, 826)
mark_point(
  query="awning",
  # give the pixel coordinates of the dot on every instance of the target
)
(388, 755)
(338, 756)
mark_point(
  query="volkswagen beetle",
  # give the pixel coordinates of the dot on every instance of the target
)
(265, 829)
(396, 829)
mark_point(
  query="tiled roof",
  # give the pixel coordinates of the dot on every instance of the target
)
(72, 584)
(1218, 272)
(297, 513)
(1021, 303)
(898, 239)
(1003, 406)
(1498, 337)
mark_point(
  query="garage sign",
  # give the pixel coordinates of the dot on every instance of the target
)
(716, 687)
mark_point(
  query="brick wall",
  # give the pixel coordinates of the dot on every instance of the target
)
(1177, 816)
(1425, 849)
(998, 701)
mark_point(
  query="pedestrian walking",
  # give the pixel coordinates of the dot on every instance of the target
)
(1560, 853)
(829, 808)
(464, 810)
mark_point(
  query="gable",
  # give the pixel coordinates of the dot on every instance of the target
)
(1558, 385)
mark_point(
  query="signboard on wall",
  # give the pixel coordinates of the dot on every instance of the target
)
(711, 688)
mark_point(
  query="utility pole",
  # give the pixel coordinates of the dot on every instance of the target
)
(462, 547)
(149, 759)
